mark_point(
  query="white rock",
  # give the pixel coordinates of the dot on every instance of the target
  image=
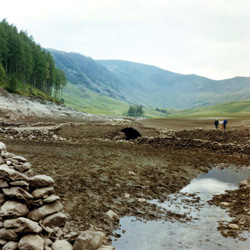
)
(62, 245)
(142, 200)
(45, 210)
(24, 167)
(103, 247)
(89, 240)
(11, 245)
(31, 242)
(41, 192)
(55, 220)
(23, 225)
(112, 215)
(41, 181)
(14, 208)
(19, 183)
(225, 204)
(51, 198)
(233, 226)
(3, 183)
(9, 174)
(8, 234)
(2, 146)
(18, 193)
(127, 196)
(19, 158)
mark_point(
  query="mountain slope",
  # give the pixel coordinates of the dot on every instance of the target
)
(145, 85)
(171, 90)
(84, 71)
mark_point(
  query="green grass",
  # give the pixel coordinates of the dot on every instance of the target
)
(233, 109)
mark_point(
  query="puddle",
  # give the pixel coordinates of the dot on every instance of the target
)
(200, 232)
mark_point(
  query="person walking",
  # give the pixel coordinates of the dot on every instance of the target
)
(216, 123)
(221, 124)
(224, 124)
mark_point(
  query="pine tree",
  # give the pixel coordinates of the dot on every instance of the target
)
(2, 74)
(13, 84)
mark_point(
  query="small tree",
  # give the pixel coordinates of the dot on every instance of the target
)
(13, 84)
(2, 74)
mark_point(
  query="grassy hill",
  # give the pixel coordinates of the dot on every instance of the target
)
(233, 109)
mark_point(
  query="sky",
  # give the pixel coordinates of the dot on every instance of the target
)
(210, 38)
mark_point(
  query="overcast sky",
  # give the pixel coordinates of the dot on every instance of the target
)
(210, 38)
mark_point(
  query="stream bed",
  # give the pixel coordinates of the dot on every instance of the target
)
(199, 231)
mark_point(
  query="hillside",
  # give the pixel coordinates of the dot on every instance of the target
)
(152, 86)
(105, 83)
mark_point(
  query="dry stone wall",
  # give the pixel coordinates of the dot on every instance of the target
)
(31, 215)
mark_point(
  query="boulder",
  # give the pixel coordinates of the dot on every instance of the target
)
(9, 174)
(3, 183)
(41, 181)
(51, 198)
(62, 245)
(45, 210)
(112, 215)
(18, 193)
(31, 242)
(14, 209)
(41, 192)
(19, 158)
(11, 245)
(103, 247)
(19, 183)
(24, 167)
(89, 239)
(8, 234)
(23, 225)
(2, 198)
(55, 220)
(2, 146)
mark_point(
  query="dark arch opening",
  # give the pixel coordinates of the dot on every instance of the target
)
(131, 133)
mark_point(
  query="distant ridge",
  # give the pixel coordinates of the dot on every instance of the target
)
(148, 85)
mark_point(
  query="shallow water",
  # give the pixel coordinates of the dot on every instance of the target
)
(201, 232)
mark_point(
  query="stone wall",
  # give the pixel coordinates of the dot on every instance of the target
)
(30, 211)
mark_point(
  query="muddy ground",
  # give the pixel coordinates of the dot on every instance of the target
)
(96, 169)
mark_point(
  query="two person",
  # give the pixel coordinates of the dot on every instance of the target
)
(223, 124)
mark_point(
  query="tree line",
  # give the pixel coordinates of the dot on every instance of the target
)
(135, 111)
(24, 60)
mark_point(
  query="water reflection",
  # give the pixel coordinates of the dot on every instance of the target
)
(200, 233)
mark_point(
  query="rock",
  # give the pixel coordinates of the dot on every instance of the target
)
(244, 184)
(2, 147)
(51, 198)
(127, 196)
(41, 181)
(233, 226)
(2, 198)
(3, 183)
(19, 184)
(23, 225)
(2, 242)
(9, 174)
(103, 247)
(112, 215)
(141, 199)
(47, 242)
(19, 158)
(31, 242)
(89, 240)
(225, 204)
(24, 167)
(18, 193)
(8, 234)
(14, 209)
(11, 245)
(55, 220)
(62, 245)
(41, 192)
(45, 210)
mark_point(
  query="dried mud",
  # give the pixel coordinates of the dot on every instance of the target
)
(95, 168)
